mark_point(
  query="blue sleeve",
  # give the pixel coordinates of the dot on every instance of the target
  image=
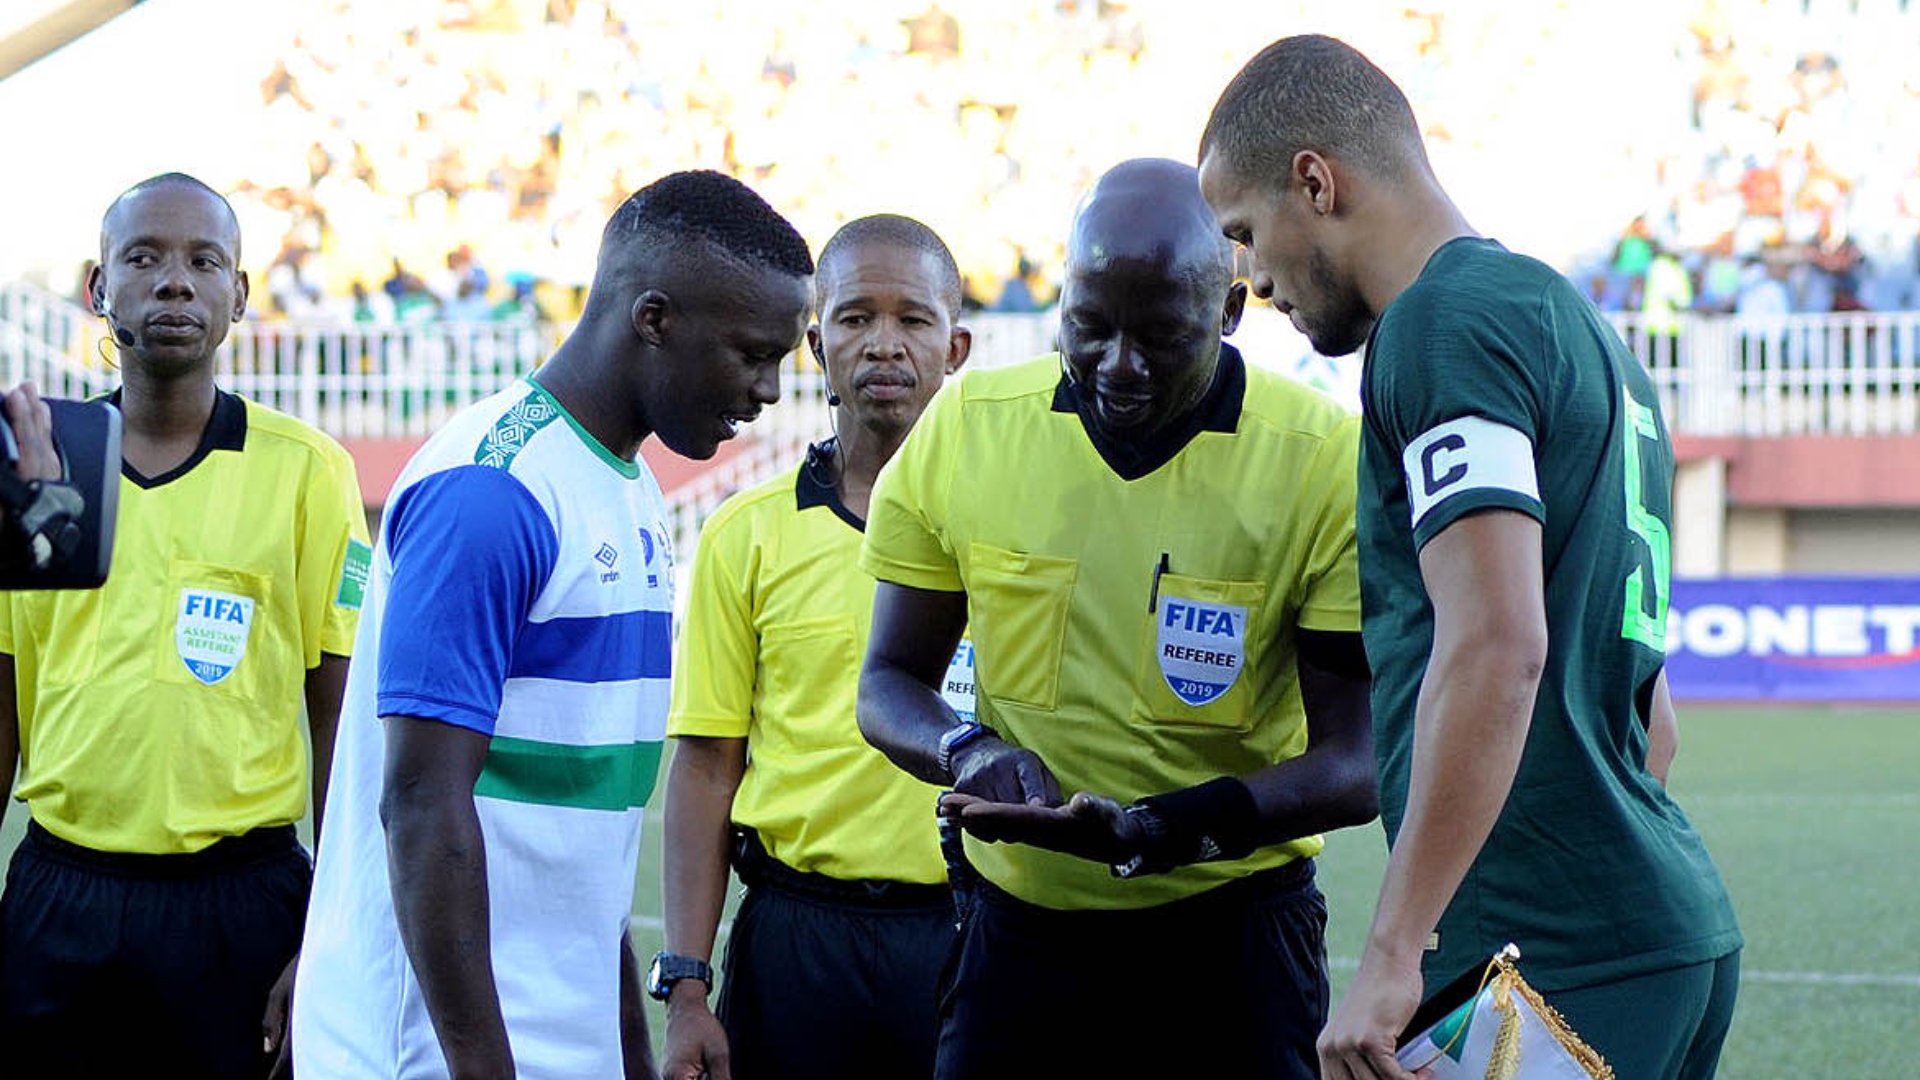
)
(471, 549)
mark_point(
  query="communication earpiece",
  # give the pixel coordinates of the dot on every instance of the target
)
(833, 400)
(120, 334)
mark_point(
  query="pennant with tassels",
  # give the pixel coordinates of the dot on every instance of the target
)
(1503, 1031)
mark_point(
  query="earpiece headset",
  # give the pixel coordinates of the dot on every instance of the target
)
(120, 334)
(820, 354)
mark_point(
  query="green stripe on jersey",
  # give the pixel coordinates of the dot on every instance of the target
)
(614, 776)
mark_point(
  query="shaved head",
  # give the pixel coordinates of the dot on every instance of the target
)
(116, 212)
(1150, 209)
(1147, 295)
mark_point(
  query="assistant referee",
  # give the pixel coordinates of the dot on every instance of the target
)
(1153, 545)
(160, 891)
(833, 961)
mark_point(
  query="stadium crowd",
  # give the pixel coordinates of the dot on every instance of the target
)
(425, 160)
(1789, 196)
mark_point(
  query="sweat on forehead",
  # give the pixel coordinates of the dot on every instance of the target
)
(1149, 209)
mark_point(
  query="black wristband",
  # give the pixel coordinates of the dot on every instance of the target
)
(1209, 822)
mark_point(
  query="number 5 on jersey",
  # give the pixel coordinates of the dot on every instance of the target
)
(1644, 618)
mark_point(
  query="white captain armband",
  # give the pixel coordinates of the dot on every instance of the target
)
(1471, 453)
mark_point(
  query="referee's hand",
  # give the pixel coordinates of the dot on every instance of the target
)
(1089, 826)
(990, 769)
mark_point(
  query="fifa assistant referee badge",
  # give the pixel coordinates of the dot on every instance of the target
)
(669, 968)
(953, 739)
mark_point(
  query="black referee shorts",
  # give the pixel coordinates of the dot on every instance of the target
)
(1230, 983)
(117, 965)
(826, 978)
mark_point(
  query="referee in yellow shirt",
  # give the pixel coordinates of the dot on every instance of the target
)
(159, 894)
(834, 957)
(1153, 545)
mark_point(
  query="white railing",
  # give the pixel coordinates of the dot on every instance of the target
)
(1843, 374)
(1852, 373)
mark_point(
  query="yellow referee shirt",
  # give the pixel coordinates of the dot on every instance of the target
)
(161, 712)
(1137, 634)
(776, 624)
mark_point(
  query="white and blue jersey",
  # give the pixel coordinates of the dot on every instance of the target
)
(521, 588)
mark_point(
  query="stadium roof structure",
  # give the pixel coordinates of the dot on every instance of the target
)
(30, 29)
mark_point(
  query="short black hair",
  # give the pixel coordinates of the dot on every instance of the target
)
(1312, 92)
(895, 230)
(716, 208)
(169, 179)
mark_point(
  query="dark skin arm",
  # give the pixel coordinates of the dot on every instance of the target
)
(701, 782)
(636, 1040)
(1330, 786)
(903, 715)
(437, 864)
(326, 685)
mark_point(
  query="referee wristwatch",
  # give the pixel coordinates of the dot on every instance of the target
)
(669, 968)
(953, 739)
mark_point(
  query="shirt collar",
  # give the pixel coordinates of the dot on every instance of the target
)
(814, 487)
(226, 430)
(1218, 410)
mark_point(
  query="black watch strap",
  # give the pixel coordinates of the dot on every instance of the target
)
(669, 968)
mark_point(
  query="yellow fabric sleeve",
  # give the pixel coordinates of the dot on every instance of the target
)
(1329, 587)
(334, 525)
(906, 540)
(713, 675)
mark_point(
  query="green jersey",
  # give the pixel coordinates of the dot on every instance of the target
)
(1491, 384)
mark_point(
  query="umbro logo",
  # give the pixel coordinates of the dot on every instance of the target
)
(606, 557)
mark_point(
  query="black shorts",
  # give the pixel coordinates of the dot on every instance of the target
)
(146, 965)
(1232, 982)
(827, 978)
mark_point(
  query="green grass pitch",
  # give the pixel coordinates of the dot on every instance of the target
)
(1814, 817)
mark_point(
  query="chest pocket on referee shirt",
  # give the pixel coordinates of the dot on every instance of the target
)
(213, 631)
(801, 658)
(1195, 651)
(1018, 622)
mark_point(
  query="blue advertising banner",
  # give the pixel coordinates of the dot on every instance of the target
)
(1795, 639)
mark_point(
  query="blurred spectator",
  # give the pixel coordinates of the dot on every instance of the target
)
(405, 129)
(934, 33)
(371, 307)
(469, 305)
(1765, 294)
(1017, 295)
(1666, 292)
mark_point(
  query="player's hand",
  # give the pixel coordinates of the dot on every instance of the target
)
(276, 1024)
(994, 771)
(32, 424)
(696, 1043)
(1358, 1043)
(1088, 825)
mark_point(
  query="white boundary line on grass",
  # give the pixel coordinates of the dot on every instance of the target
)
(1889, 980)
(1746, 799)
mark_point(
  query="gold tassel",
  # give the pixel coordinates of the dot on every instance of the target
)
(1504, 1062)
(1509, 979)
